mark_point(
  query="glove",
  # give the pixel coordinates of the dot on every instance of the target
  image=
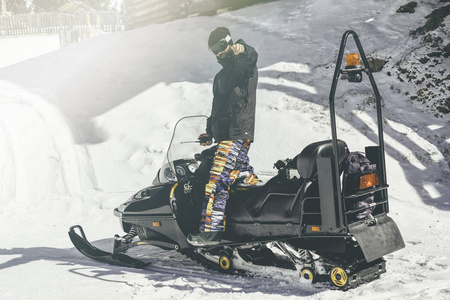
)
(238, 48)
(205, 139)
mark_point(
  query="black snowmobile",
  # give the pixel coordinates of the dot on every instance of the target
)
(314, 216)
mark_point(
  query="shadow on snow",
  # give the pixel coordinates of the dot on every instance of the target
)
(166, 268)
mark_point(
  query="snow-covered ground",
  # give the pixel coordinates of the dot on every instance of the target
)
(84, 127)
(21, 48)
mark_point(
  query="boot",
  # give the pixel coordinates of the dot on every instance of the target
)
(209, 238)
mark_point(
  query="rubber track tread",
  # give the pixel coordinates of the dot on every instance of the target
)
(200, 259)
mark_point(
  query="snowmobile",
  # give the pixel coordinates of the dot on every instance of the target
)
(312, 217)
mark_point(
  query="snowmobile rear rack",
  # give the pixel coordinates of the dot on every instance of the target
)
(117, 258)
(375, 154)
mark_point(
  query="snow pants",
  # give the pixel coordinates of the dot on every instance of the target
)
(230, 160)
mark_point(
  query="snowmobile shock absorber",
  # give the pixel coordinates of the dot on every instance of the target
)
(126, 239)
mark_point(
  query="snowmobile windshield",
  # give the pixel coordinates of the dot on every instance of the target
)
(180, 158)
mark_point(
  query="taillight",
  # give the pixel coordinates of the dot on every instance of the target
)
(368, 180)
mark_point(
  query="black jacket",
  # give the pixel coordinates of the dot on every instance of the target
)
(234, 89)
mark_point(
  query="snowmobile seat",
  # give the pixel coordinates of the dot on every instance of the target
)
(306, 160)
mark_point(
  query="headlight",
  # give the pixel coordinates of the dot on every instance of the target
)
(169, 174)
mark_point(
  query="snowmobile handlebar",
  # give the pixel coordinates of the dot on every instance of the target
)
(201, 140)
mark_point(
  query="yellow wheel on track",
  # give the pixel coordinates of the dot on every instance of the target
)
(225, 262)
(339, 277)
(308, 274)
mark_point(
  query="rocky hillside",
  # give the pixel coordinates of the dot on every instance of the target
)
(427, 64)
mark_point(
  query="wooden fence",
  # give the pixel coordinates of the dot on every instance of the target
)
(136, 13)
(54, 22)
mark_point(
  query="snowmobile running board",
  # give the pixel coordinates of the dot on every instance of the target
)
(118, 259)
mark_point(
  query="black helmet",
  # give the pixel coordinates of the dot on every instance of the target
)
(219, 39)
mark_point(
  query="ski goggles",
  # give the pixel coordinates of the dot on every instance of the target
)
(220, 45)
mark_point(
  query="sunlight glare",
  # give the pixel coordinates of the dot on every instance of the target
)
(432, 191)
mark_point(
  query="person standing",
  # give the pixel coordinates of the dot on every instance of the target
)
(232, 125)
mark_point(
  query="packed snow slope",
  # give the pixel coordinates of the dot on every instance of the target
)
(84, 127)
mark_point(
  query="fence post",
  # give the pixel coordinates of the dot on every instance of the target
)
(52, 22)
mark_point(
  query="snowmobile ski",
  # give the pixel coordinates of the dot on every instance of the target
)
(87, 249)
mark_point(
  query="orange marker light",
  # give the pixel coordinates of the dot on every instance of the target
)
(352, 60)
(156, 224)
(315, 228)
